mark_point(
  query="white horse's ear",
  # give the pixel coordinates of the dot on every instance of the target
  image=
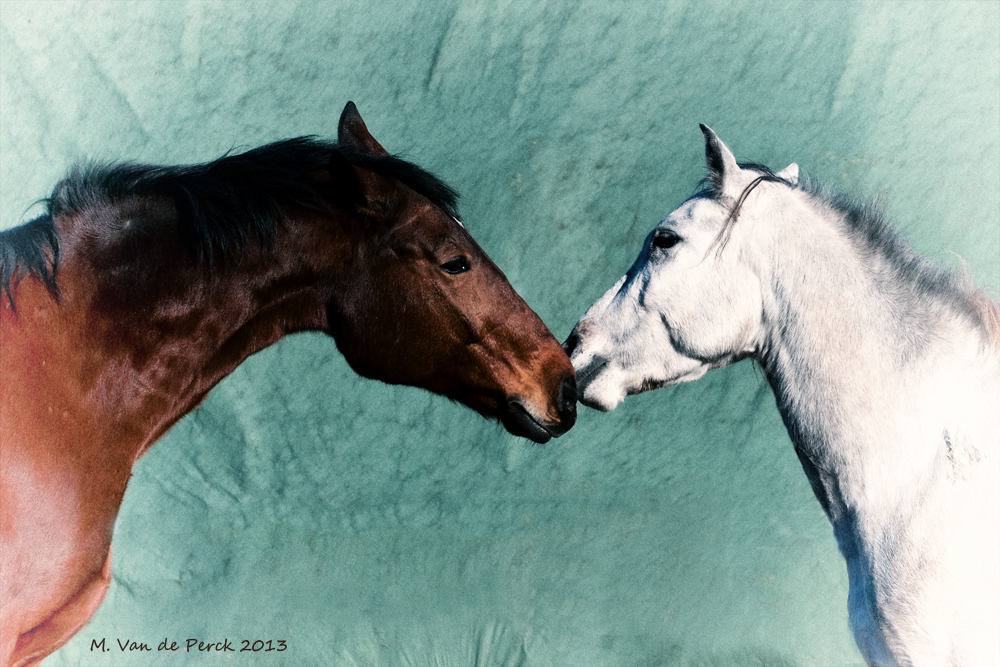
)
(722, 167)
(790, 174)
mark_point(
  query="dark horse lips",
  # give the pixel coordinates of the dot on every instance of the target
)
(142, 287)
(518, 419)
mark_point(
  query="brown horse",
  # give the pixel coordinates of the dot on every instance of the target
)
(144, 286)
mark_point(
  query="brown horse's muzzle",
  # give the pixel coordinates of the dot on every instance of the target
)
(517, 418)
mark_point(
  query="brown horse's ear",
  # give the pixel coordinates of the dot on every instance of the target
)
(357, 189)
(352, 132)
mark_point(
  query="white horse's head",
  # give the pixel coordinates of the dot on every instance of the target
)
(690, 302)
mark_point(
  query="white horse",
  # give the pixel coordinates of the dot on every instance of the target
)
(886, 372)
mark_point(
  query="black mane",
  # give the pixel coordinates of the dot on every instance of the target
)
(31, 248)
(222, 205)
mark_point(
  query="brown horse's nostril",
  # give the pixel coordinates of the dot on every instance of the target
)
(571, 343)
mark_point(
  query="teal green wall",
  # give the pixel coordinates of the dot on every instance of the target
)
(374, 525)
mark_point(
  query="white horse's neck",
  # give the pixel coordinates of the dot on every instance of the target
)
(887, 375)
(853, 324)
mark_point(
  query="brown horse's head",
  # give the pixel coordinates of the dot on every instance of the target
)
(423, 305)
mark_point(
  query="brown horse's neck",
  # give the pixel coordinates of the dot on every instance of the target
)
(149, 360)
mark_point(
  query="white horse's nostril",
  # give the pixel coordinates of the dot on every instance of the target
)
(570, 345)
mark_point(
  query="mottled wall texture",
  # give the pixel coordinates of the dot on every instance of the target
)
(369, 525)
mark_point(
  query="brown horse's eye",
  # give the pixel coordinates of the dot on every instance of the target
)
(456, 265)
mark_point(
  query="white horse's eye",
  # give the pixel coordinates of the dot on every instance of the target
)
(664, 238)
